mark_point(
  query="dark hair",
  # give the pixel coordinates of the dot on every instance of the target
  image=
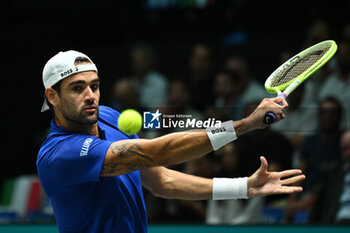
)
(57, 86)
(339, 108)
(80, 60)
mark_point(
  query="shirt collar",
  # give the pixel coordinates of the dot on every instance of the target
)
(58, 130)
(55, 129)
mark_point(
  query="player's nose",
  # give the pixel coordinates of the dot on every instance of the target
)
(89, 94)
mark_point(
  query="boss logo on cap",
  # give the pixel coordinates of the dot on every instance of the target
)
(68, 72)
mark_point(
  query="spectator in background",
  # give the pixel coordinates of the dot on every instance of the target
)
(178, 103)
(300, 120)
(124, 95)
(225, 93)
(318, 31)
(338, 84)
(201, 68)
(229, 161)
(317, 151)
(333, 191)
(346, 31)
(150, 84)
(224, 89)
(179, 99)
(246, 90)
(322, 147)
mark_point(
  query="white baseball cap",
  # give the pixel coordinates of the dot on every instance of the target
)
(61, 66)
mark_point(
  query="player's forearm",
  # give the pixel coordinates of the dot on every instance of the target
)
(191, 188)
(129, 155)
(243, 126)
(167, 183)
(180, 147)
(170, 184)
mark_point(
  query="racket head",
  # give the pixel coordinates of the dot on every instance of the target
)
(301, 66)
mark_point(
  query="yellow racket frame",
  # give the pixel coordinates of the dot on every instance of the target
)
(292, 84)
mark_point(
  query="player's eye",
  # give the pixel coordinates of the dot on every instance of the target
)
(77, 88)
(94, 87)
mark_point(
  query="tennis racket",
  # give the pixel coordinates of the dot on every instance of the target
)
(296, 70)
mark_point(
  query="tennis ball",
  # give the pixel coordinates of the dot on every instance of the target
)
(130, 121)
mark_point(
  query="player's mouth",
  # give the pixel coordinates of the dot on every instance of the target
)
(90, 109)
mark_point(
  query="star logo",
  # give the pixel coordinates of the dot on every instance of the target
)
(151, 120)
(156, 115)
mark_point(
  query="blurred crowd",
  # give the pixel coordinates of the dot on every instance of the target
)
(311, 137)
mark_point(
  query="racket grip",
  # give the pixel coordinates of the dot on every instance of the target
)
(270, 117)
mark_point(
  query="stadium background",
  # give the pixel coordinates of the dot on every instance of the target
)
(35, 30)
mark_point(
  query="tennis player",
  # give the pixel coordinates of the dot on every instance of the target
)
(93, 173)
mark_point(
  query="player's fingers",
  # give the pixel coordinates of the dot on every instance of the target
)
(279, 115)
(291, 172)
(281, 102)
(264, 165)
(293, 180)
(288, 190)
(278, 108)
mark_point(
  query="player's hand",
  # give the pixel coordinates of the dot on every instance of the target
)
(263, 183)
(275, 105)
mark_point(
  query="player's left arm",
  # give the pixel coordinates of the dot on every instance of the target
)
(171, 184)
(167, 183)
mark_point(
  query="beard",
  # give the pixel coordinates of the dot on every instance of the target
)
(79, 116)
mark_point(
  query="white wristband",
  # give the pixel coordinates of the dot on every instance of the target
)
(220, 136)
(227, 188)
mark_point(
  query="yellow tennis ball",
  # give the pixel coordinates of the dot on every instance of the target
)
(130, 121)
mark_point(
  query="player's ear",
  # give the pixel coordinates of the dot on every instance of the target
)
(52, 96)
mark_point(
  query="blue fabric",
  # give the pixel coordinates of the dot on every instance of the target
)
(69, 166)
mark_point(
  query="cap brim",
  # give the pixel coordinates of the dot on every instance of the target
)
(45, 106)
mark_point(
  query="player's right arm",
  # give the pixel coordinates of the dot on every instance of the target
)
(129, 155)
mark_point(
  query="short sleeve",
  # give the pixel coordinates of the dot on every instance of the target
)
(79, 159)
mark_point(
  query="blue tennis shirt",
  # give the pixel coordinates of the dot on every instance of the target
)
(69, 166)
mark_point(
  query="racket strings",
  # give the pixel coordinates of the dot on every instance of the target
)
(298, 65)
